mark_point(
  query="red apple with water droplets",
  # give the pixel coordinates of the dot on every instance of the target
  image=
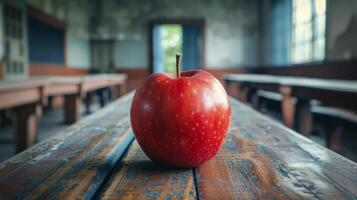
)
(180, 121)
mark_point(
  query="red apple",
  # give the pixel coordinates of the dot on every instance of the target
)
(180, 121)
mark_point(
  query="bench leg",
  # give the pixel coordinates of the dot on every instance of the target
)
(253, 98)
(233, 89)
(287, 106)
(72, 105)
(120, 90)
(26, 126)
(243, 94)
(88, 102)
(2, 119)
(333, 136)
(101, 96)
(303, 117)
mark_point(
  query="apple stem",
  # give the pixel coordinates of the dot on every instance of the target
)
(178, 63)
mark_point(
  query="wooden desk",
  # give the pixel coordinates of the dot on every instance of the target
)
(337, 93)
(26, 98)
(96, 159)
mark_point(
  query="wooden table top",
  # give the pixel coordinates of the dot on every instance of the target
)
(37, 88)
(37, 81)
(327, 84)
(99, 158)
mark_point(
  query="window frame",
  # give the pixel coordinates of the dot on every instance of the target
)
(315, 37)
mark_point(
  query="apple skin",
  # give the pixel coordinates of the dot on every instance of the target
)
(181, 122)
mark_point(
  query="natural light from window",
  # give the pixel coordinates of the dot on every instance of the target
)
(308, 33)
(172, 44)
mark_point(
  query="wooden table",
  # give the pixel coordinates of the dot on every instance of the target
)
(339, 93)
(98, 158)
(26, 98)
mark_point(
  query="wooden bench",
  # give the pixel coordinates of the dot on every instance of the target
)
(336, 93)
(334, 118)
(26, 98)
(98, 158)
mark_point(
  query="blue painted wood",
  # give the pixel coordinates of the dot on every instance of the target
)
(260, 159)
(75, 162)
(191, 47)
(158, 52)
(136, 177)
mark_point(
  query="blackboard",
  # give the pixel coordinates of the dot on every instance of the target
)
(46, 43)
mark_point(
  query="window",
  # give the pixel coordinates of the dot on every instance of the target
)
(173, 36)
(308, 34)
(171, 43)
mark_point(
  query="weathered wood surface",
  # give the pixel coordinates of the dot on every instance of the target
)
(136, 177)
(74, 163)
(34, 91)
(296, 93)
(260, 159)
(324, 90)
(327, 84)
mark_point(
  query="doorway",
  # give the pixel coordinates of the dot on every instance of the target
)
(169, 37)
(102, 56)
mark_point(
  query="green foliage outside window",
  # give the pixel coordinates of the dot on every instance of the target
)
(172, 44)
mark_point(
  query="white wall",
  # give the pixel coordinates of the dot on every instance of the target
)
(76, 16)
(78, 52)
(232, 32)
(130, 53)
(341, 29)
(232, 29)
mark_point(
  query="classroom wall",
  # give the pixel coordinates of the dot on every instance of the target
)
(75, 15)
(130, 53)
(341, 29)
(232, 31)
(78, 52)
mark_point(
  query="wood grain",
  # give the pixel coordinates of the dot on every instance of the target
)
(261, 159)
(73, 163)
(136, 177)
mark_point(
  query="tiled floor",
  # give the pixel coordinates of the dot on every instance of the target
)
(50, 124)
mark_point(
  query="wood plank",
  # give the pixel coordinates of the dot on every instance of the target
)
(73, 163)
(261, 159)
(11, 86)
(137, 177)
(20, 97)
(72, 107)
(101, 81)
(26, 126)
(326, 84)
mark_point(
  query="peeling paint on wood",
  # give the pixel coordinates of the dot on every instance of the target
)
(260, 159)
(263, 160)
(136, 177)
(82, 155)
